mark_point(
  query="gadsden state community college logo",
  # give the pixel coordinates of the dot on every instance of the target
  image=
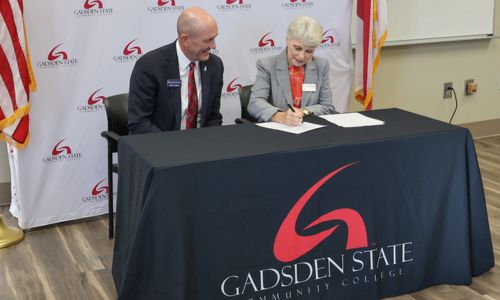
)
(266, 44)
(130, 53)
(61, 152)
(58, 148)
(98, 194)
(265, 40)
(129, 49)
(91, 3)
(93, 99)
(165, 6)
(293, 277)
(163, 2)
(57, 57)
(328, 40)
(231, 89)
(290, 245)
(56, 54)
(98, 189)
(93, 8)
(232, 86)
(290, 4)
(95, 102)
(231, 5)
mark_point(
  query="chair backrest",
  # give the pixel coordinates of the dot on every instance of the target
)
(244, 93)
(117, 113)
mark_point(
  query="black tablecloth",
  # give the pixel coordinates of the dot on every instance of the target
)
(243, 212)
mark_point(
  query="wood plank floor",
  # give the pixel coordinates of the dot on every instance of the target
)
(73, 260)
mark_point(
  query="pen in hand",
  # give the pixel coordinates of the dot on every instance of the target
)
(293, 110)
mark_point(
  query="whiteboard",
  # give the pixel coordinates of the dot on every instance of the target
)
(427, 21)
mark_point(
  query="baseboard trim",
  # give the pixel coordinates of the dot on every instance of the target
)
(4, 193)
(483, 128)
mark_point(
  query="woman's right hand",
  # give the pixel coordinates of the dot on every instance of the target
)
(289, 118)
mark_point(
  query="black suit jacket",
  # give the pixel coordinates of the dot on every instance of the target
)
(153, 106)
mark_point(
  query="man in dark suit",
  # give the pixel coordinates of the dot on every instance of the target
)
(179, 85)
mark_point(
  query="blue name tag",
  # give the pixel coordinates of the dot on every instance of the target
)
(174, 83)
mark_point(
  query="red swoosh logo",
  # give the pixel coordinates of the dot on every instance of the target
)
(231, 88)
(92, 100)
(289, 245)
(99, 190)
(129, 50)
(53, 56)
(232, 1)
(58, 150)
(263, 42)
(293, 1)
(327, 38)
(91, 3)
(163, 3)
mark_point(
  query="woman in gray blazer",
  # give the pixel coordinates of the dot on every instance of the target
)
(294, 83)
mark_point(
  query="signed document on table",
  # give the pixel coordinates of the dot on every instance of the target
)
(304, 127)
(352, 120)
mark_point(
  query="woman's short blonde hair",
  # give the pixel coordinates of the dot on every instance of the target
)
(305, 29)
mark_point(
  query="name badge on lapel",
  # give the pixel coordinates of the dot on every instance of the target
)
(174, 83)
(309, 87)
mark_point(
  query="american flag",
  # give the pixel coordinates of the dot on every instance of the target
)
(16, 76)
(371, 31)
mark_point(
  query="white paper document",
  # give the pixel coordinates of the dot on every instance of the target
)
(352, 120)
(304, 127)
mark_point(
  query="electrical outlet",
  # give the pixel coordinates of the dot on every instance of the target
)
(470, 87)
(446, 90)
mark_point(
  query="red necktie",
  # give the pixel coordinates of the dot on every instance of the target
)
(192, 111)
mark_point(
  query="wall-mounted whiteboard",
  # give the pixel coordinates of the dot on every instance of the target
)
(427, 21)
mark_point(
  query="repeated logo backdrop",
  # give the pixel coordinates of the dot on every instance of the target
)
(84, 50)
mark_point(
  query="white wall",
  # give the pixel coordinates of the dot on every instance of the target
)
(412, 77)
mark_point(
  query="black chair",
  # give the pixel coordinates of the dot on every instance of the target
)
(244, 93)
(117, 114)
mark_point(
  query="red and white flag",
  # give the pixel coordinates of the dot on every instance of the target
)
(16, 76)
(371, 31)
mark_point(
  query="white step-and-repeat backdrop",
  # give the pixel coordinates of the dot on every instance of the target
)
(84, 50)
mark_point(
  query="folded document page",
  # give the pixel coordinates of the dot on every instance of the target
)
(352, 120)
(305, 126)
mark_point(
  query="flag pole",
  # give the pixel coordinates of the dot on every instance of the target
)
(9, 235)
